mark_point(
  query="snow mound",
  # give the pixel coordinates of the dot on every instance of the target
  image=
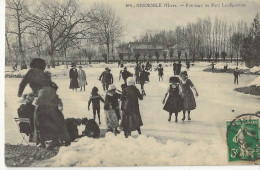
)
(141, 151)
(256, 82)
(255, 69)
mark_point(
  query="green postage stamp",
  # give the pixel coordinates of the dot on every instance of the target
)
(243, 138)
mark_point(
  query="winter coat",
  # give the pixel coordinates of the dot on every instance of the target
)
(49, 119)
(36, 79)
(101, 77)
(73, 78)
(125, 75)
(82, 78)
(72, 127)
(160, 71)
(108, 78)
(93, 127)
(173, 103)
(131, 119)
(95, 99)
(26, 111)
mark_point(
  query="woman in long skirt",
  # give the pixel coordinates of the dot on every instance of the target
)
(131, 120)
(111, 108)
(74, 84)
(189, 102)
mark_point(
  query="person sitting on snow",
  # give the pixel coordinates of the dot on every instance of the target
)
(91, 128)
(72, 127)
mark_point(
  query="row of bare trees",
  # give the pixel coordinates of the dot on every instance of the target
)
(51, 28)
(205, 39)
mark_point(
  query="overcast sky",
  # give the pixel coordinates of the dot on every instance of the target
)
(138, 20)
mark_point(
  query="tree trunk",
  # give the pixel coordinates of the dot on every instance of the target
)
(108, 50)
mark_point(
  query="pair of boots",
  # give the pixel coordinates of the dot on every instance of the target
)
(128, 133)
(185, 117)
(170, 117)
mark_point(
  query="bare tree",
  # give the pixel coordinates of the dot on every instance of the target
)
(16, 12)
(106, 27)
(60, 22)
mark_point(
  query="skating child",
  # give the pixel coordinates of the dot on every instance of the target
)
(95, 98)
(189, 102)
(173, 103)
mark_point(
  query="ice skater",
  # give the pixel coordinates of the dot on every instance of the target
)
(95, 98)
(160, 72)
(102, 78)
(189, 102)
(173, 104)
(236, 74)
(143, 78)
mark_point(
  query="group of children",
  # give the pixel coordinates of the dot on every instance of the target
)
(179, 96)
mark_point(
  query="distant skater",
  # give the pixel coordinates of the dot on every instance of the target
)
(174, 67)
(189, 102)
(74, 84)
(173, 104)
(160, 72)
(236, 74)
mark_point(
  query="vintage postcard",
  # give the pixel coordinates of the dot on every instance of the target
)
(124, 83)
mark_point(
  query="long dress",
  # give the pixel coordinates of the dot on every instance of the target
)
(50, 121)
(110, 111)
(173, 103)
(189, 102)
(82, 78)
(73, 79)
(131, 119)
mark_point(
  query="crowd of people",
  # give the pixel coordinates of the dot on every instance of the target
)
(121, 107)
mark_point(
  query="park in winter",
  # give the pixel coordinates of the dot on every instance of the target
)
(131, 83)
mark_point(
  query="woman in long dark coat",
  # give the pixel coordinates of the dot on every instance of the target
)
(74, 84)
(47, 103)
(131, 120)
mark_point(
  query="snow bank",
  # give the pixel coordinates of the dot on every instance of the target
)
(255, 69)
(256, 82)
(233, 65)
(141, 151)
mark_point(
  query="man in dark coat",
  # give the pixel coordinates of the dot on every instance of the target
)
(236, 74)
(102, 78)
(74, 84)
(125, 74)
(108, 78)
(174, 67)
(178, 68)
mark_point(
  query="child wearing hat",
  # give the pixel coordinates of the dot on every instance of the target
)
(173, 104)
(111, 107)
(189, 102)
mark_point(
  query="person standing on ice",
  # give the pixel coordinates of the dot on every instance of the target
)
(189, 102)
(131, 120)
(174, 67)
(236, 74)
(173, 104)
(95, 98)
(102, 79)
(74, 84)
(160, 72)
(108, 78)
(111, 107)
(143, 78)
(82, 78)
(178, 68)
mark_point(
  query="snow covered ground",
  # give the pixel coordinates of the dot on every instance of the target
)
(201, 141)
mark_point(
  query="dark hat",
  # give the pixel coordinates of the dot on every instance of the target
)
(184, 73)
(174, 79)
(80, 66)
(84, 121)
(38, 63)
(125, 68)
